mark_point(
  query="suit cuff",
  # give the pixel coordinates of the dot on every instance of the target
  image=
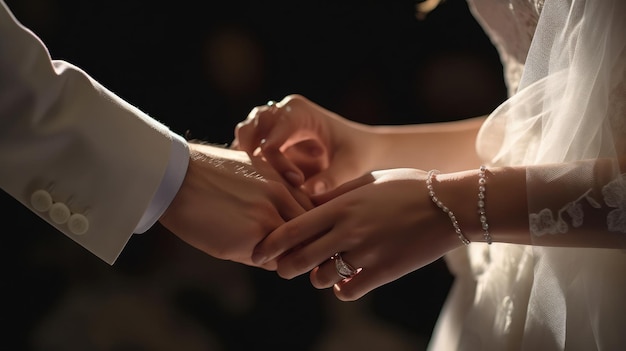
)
(171, 182)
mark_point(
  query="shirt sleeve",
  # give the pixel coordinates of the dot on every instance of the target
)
(172, 180)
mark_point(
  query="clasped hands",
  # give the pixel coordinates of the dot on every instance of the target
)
(296, 188)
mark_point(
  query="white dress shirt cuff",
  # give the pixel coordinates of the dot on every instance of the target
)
(171, 182)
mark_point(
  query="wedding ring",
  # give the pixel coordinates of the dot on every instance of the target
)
(271, 103)
(344, 269)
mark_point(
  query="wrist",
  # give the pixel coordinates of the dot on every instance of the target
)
(362, 139)
(384, 149)
(171, 182)
(505, 207)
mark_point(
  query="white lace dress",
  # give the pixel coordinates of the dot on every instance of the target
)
(564, 63)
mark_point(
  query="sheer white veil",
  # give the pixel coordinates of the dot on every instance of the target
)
(570, 106)
(567, 99)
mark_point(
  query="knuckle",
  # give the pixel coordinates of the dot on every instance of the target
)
(252, 114)
(291, 97)
(240, 127)
(295, 100)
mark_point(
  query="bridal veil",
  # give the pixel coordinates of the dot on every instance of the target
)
(568, 113)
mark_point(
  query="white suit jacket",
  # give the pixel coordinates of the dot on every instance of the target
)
(87, 162)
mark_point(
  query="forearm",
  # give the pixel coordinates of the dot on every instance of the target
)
(505, 203)
(520, 208)
(73, 149)
(447, 146)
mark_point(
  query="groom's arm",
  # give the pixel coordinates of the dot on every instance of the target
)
(98, 169)
(87, 162)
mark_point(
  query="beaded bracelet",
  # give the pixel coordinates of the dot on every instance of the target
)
(482, 182)
(432, 174)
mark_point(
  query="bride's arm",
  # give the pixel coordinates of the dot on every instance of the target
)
(447, 146)
(309, 144)
(566, 205)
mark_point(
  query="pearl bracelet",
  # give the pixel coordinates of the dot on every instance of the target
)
(432, 174)
(482, 181)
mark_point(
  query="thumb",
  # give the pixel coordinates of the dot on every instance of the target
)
(327, 179)
(319, 199)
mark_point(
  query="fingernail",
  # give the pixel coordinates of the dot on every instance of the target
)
(318, 188)
(294, 178)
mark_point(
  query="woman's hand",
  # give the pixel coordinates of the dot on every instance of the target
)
(384, 223)
(307, 144)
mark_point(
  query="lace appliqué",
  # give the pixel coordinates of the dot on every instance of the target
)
(614, 194)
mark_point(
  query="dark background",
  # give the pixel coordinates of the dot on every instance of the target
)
(199, 67)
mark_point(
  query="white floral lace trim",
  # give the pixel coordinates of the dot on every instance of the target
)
(614, 194)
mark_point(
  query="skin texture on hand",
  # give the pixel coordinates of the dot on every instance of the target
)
(383, 222)
(229, 202)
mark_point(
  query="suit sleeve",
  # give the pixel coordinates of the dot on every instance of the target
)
(87, 162)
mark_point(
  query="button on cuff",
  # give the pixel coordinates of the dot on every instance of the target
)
(59, 213)
(78, 224)
(41, 200)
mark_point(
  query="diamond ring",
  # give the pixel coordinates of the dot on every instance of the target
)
(344, 269)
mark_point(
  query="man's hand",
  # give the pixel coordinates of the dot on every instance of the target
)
(229, 202)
